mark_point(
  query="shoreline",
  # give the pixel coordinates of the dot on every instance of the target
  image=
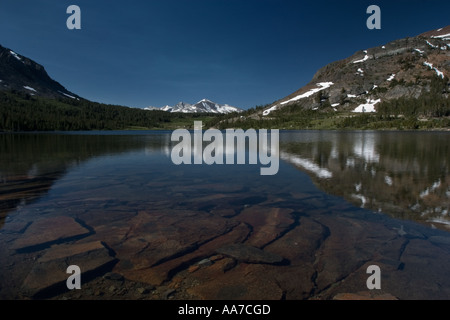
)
(281, 130)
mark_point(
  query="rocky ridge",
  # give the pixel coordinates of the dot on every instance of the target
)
(401, 68)
(22, 74)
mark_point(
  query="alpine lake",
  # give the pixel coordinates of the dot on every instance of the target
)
(140, 227)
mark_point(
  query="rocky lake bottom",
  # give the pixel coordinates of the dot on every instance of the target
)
(140, 227)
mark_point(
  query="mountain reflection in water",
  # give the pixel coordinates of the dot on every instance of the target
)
(31, 163)
(402, 174)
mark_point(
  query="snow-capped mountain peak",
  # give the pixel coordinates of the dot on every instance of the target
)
(203, 106)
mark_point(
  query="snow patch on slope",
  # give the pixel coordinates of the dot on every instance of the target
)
(430, 65)
(441, 36)
(29, 88)
(322, 86)
(366, 57)
(268, 111)
(369, 106)
(15, 55)
(67, 95)
(431, 45)
(437, 47)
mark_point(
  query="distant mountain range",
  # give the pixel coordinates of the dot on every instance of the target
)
(203, 106)
(22, 74)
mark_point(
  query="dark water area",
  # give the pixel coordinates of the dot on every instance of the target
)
(141, 227)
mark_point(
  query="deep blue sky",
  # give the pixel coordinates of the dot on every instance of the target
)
(241, 52)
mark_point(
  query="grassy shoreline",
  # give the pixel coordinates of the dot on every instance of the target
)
(341, 121)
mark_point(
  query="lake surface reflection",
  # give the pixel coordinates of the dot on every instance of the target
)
(403, 174)
(141, 227)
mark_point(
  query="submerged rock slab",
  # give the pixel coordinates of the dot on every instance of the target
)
(244, 282)
(249, 254)
(17, 226)
(299, 245)
(154, 238)
(157, 275)
(48, 231)
(267, 223)
(349, 244)
(48, 275)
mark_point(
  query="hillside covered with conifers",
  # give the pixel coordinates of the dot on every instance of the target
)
(21, 111)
